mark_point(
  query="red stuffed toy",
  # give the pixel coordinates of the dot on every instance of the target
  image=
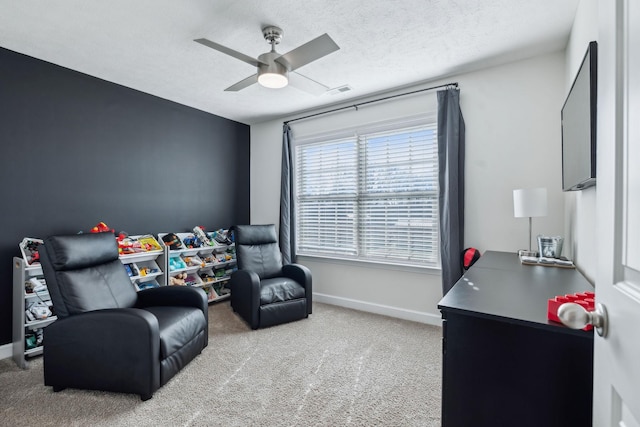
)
(102, 228)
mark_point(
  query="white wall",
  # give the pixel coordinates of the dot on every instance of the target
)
(512, 115)
(580, 206)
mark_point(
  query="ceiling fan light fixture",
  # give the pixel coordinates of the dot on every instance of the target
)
(272, 74)
(273, 80)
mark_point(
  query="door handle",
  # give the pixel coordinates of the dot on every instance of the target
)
(576, 316)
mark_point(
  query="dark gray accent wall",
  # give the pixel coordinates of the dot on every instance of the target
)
(77, 150)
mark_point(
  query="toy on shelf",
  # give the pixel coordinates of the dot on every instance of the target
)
(222, 236)
(34, 285)
(131, 245)
(34, 339)
(176, 263)
(132, 271)
(198, 230)
(207, 276)
(178, 280)
(172, 240)
(29, 248)
(127, 245)
(192, 242)
(221, 289)
(101, 227)
(149, 243)
(585, 299)
(191, 280)
(208, 259)
(144, 271)
(38, 310)
(193, 261)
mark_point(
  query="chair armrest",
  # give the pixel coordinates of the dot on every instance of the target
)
(302, 275)
(297, 272)
(245, 295)
(181, 296)
(110, 328)
(103, 349)
(173, 296)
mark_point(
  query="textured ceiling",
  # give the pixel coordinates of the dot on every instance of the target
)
(148, 44)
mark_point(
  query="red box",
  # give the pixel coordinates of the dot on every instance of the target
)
(585, 299)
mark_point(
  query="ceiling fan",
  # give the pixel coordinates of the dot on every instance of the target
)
(275, 70)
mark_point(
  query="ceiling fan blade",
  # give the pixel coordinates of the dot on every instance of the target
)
(241, 56)
(308, 52)
(243, 83)
(306, 84)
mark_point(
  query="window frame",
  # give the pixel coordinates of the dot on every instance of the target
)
(359, 134)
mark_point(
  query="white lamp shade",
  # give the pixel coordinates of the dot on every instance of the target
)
(528, 202)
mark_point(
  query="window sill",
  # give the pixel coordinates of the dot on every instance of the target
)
(371, 264)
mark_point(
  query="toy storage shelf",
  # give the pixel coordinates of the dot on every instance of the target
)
(219, 288)
(22, 273)
(146, 268)
(205, 262)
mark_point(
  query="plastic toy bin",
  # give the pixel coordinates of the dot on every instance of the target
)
(147, 284)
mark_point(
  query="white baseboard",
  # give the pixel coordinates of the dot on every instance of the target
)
(6, 351)
(400, 313)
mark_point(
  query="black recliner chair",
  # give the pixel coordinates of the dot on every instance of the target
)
(108, 336)
(263, 291)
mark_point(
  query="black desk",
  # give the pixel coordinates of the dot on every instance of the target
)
(504, 363)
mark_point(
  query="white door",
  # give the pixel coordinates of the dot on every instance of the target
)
(616, 396)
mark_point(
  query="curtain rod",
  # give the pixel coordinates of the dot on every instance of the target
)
(454, 84)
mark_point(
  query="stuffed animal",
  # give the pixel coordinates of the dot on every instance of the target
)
(178, 280)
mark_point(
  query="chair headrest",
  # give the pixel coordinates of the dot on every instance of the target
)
(76, 251)
(255, 234)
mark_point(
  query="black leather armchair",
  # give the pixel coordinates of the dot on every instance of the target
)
(263, 291)
(108, 336)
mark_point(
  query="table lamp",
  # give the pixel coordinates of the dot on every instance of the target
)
(529, 202)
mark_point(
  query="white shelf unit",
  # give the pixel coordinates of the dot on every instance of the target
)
(218, 289)
(146, 268)
(201, 272)
(22, 273)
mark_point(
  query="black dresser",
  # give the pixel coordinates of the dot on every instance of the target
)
(504, 363)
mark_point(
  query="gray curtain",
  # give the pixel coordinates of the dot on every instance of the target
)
(287, 217)
(451, 180)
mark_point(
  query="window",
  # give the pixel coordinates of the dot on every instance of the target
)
(372, 196)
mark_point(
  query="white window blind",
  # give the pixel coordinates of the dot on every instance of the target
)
(373, 196)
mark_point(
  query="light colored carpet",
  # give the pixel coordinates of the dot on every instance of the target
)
(340, 367)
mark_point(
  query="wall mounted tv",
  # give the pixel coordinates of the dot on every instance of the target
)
(579, 126)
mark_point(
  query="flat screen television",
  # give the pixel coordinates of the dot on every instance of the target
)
(579, 126)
